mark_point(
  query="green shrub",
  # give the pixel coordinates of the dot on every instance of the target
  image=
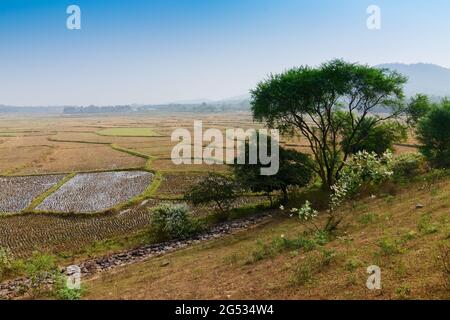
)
(6, 260)
(403, 292)
(388, 247)
(172, 221)
(295, 170)
(426, 226)
(280, 244)
(408, 166)
(368, 218)
(216, 189)
(40, 268)
(433, 132)
(352, 264)
(62, 291)
(303, 273)
(327, 257)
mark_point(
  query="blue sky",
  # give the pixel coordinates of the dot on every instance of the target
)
(155, 51)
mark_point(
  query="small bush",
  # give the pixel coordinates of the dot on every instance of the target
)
(403, 292)
(388, 247)
(411, 235)
(280, 244)
(216, 189)
(40, 268)
(303, 273)
(426, 226)
(6, 260)
(172, 221)
(368, 218)
(352, 264)
(408, 166)
(63, 292)
(327, 257)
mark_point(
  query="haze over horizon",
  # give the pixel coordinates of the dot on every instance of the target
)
(151, 52)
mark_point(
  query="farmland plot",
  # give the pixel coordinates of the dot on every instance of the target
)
(91, 192)
(17, 193)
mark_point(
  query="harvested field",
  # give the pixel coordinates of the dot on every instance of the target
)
(23, 234)
(92, 192)
(18, 192)
(178, 184)
(128, 132)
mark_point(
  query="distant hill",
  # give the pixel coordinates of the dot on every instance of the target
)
(425, 78)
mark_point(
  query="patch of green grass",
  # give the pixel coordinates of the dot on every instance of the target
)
(403, 292)
(327, 257)
(8, 134)
(303, 273)
(368, 218)
(352, 264)
(410, 235)
(426, 226)
(128, 132)
(388, 247)
(279, 245)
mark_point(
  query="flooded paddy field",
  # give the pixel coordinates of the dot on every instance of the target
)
(17, 193)
(92, 192)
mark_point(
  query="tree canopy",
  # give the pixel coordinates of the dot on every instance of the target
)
(305, 100)
(295, 169)
(433, 131)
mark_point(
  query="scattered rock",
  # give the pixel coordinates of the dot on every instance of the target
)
(419, 206)
(165, 263)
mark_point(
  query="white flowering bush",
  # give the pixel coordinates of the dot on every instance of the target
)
(306, 214)
(363, 168)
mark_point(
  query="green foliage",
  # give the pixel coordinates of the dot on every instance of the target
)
(433, 132)
(368, 218)
(408, 166)
(305, 99)
(417, 108)
(388, 247)
(216, 189)
(426, 225)
(363, 168)
(352, 264)
(63, 292)
(303, 273)
(295, 169)
(403, 292)
(327, 257)
(281, 244)
(40, 268)
(172, 221)
(6, 260)
(371, 135)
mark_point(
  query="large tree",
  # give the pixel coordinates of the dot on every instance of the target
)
(417, 108)
(294, 171)
(433, 131)
(305, 100)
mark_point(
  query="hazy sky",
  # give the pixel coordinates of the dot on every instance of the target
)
(154, 51)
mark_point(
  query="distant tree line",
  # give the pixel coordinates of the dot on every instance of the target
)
(96, 109)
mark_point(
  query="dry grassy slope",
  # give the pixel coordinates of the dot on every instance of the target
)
(218, 269)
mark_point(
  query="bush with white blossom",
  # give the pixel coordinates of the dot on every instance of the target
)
(363, 168)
